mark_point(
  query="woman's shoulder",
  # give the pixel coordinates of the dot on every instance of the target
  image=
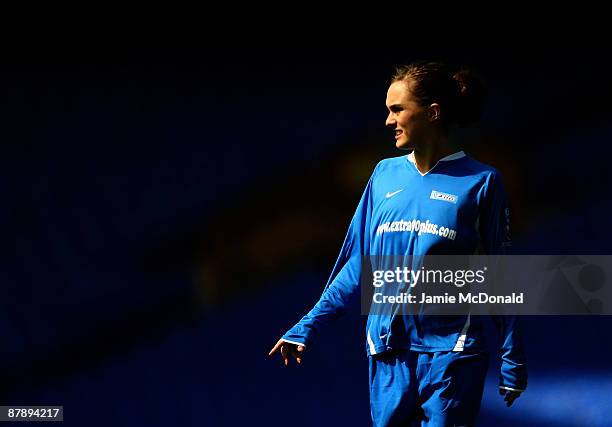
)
(477, 167)
(391, 163)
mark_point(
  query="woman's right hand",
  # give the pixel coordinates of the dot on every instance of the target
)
(286, 349)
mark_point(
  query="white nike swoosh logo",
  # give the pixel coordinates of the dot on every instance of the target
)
(389, 195)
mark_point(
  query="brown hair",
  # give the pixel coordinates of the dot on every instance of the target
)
(460, 93)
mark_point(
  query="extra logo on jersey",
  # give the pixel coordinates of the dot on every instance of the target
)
(445, 197)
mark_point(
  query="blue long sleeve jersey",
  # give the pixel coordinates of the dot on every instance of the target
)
(452, 209)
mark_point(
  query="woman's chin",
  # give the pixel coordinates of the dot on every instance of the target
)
(404, 145)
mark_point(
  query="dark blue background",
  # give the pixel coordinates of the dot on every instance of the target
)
(170, 212)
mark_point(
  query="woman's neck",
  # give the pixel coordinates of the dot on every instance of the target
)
(436, 148)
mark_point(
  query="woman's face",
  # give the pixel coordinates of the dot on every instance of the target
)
(406, 117)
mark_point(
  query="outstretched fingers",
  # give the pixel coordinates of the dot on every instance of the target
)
(287, 349)
(282, 347)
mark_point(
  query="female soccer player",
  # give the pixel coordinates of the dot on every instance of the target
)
(424, 369)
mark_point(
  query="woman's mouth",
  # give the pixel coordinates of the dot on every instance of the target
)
(398, 133)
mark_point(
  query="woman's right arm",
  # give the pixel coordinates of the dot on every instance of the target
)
(341, 286)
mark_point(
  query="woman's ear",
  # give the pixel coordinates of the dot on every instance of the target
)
(433, 112)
